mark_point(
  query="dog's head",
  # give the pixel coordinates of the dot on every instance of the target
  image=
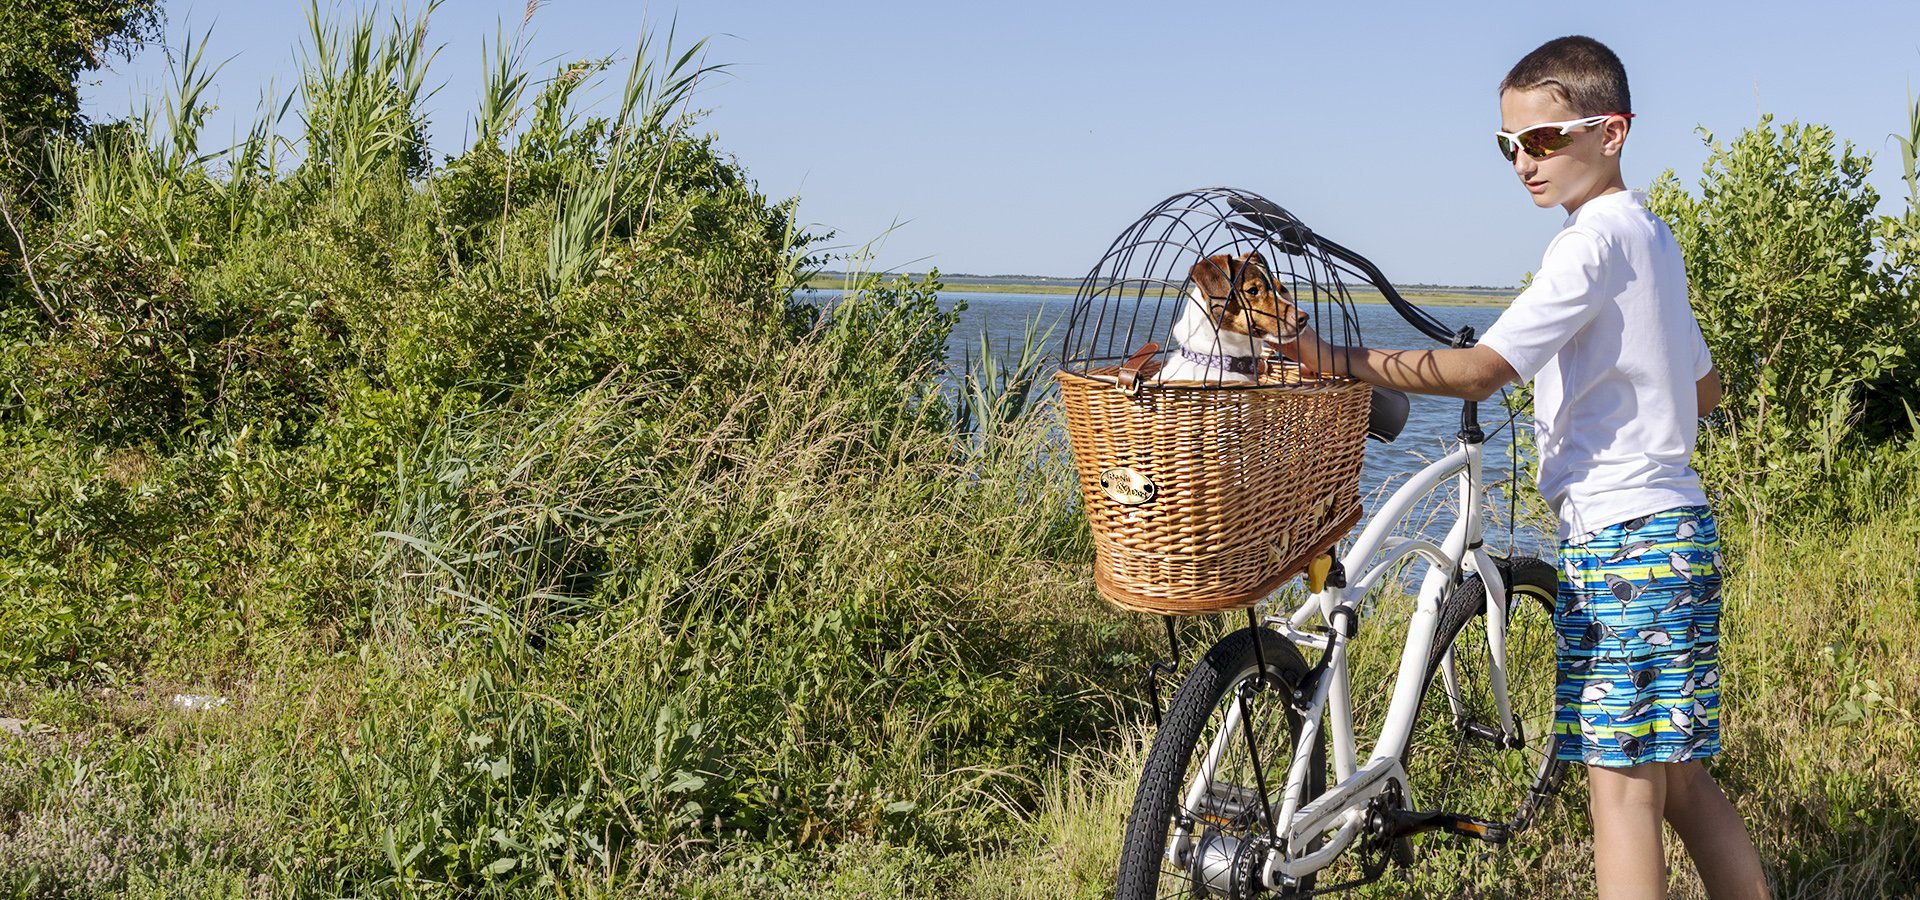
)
(1243, 296)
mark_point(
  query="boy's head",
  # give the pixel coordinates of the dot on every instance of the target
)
(1578, 89)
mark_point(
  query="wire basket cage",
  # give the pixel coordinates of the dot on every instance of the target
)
(1213, 468)
(1187, 265)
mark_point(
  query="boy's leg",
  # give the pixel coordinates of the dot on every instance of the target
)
(1715, 836)
(1628, 805)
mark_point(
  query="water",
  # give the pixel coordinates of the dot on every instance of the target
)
(1431, 421)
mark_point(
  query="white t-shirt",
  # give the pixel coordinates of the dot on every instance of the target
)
(1606, 335)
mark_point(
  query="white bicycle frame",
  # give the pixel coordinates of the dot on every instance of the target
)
(1342, 809)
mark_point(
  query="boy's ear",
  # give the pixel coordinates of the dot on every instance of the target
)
(1214, 275)
(1613, 135)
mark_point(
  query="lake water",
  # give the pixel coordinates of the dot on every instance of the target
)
(1432, 422)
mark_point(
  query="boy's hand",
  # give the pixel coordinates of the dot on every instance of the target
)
(1314, 355)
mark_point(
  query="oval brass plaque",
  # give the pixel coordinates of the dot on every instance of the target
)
(1127, 487)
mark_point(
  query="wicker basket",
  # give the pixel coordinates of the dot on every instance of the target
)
(1206, 496)
(1205, 499)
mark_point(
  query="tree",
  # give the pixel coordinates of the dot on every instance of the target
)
(46, 44)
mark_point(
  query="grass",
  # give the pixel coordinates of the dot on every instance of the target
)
(546, 542)
(1815, 660)
(134, 794)
(784, 676)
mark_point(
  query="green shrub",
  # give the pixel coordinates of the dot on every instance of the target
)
(278, 336)
(1805, 297)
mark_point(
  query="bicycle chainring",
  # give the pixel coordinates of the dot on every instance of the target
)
(1381, 846)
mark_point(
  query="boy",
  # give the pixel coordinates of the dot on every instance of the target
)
(1620, 376)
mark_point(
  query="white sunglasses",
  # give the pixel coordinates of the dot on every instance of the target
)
(1540, 144)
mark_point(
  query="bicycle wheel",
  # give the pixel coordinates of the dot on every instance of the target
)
(1227, 828)
(1459, 762)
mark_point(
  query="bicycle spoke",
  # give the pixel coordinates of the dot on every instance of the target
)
(1470, 763)
(1200, 830)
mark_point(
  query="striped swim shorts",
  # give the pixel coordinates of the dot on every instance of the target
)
(1638, 634)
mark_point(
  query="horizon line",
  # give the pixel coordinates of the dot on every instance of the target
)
(970, 277)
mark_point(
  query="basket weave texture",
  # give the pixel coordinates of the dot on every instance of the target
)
(1204, 498)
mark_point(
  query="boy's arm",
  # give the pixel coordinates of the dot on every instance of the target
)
(1473, 373)
(1706, 391)
(1556, 305)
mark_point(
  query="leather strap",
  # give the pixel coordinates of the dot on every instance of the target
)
(1129, 380)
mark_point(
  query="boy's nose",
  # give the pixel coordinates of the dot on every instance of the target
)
(1524, 166)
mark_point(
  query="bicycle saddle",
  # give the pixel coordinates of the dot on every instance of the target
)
(1387, 416)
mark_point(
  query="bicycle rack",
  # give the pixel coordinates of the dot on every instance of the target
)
(1168, 667)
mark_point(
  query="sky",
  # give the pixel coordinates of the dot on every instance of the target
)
(994, 137)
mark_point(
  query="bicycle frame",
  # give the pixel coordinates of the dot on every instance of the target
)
(1343, 808)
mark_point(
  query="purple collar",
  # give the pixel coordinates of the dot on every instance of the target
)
(1242, 365)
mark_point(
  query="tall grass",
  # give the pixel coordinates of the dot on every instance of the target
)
(823, 634)
(540, 537)
(362, 87)
(545, 543)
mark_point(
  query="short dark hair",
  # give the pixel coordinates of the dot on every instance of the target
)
(1580, 72)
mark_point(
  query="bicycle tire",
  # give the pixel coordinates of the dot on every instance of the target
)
(1206, 695)
(1476, 775)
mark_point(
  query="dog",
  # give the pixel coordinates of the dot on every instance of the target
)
(1234, 315)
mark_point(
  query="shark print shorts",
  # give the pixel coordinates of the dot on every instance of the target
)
(1638, 632)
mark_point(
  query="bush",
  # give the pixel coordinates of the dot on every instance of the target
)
(539, 532)
(1805, 297)
(277, 336)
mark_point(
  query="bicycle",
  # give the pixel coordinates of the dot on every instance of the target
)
(1234, 799)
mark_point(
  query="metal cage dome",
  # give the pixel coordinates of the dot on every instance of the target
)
(1149, 279)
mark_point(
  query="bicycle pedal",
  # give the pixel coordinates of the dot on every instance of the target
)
(1404, 822)
(1491, 832)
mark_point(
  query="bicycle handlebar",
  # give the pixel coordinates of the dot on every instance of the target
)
(1420, 319)
(1294, 237)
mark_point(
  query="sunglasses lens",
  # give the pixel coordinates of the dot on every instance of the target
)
(1539, 141)
(1542, 141)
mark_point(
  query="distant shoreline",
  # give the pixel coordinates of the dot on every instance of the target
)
(1434, 295)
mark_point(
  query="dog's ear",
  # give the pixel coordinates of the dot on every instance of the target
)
(1214, 275)
(1248, 266)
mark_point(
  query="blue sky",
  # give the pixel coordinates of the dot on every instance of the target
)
(1021, 137)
